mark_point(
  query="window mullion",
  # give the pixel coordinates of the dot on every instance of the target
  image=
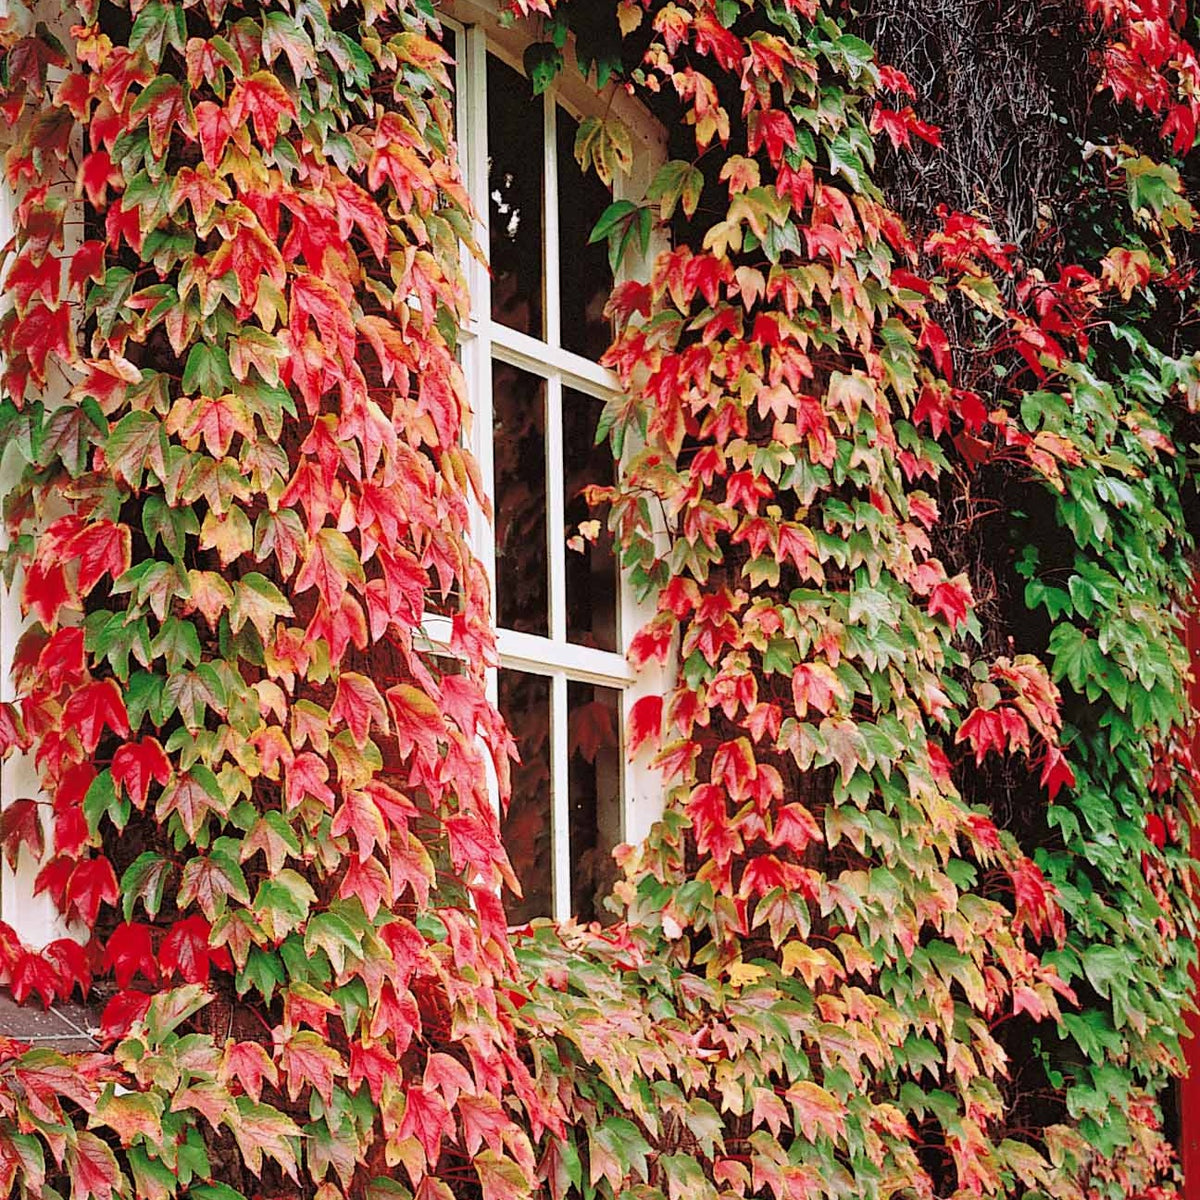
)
(551, 263)
(555, 519)
(560, 796)
(477, 354)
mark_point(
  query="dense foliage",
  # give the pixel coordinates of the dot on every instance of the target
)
(894, 855)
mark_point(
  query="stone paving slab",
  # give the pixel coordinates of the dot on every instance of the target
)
(62, 1027)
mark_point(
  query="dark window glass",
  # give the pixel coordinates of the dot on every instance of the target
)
(585, 280)
(527, 827)
(515, 196)
(591, 562)
(519, 449)
(594, 743)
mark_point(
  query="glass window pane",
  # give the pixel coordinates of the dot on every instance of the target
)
(591, 561)
(594, 733)
(527, 827)
(519, 449)
(585, 279)
(516, 167)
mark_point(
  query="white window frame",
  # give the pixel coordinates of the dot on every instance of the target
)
(476, 32)
(34, 918)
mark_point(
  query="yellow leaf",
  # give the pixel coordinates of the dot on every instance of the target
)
(741, 973)
(629, 16)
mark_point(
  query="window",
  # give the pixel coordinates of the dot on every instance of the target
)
(531, 356)
(530, 353)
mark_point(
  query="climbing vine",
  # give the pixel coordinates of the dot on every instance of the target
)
(908, 832)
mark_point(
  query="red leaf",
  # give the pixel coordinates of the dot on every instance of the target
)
(998, 729)
(329, 566)
(93, 1168)
(483, 1121)
(795, 827)
(900, 125)
(100, 548)
(248, 1063)
(260, 98)
(418, 721)
(306, 777)
(816, 1111)
(1036, 904)
(309, 1008)
(709, 815)
(121, 1013)
(653, 641)
(136, 765)
(129, 951)
(12, 730)
(251, 256)
(474, 842)
(355, 207)
(215, 130)
(734, 766)
(21, 825)
(713, 38)
(426, 1118)
(933, 338)
(186, 951)
(816, 683)
(369, 882)
(28, 277)
(163, 106)
(645, 723)
(45, 591)
(774, 129)
(96, 175)
(92, 883)
(74, 967)
(952, 600)
(43, 332)
(314, 299)
(359, 704)
(895, 80)
(374, 1064)
(1057, 773)
(307, 1058)
(60, 661)
(33, 972)
(93, 707)
(448, 1075)
(360, 815)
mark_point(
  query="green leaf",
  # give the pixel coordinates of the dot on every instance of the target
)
(158, 26)
(207, 371)
(543, 61)
(676, 183)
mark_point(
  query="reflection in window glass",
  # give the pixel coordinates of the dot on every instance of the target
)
(586, 280)
(515, 172)
(519, 449)
(591, 563)
(595, 795)
(528, 825)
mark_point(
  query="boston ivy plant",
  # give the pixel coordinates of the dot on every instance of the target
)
(229, 367)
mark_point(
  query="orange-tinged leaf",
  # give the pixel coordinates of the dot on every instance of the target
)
(330, 566)
(816, 1111)
(359, 704)
(261, 98)
(307, 1059)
